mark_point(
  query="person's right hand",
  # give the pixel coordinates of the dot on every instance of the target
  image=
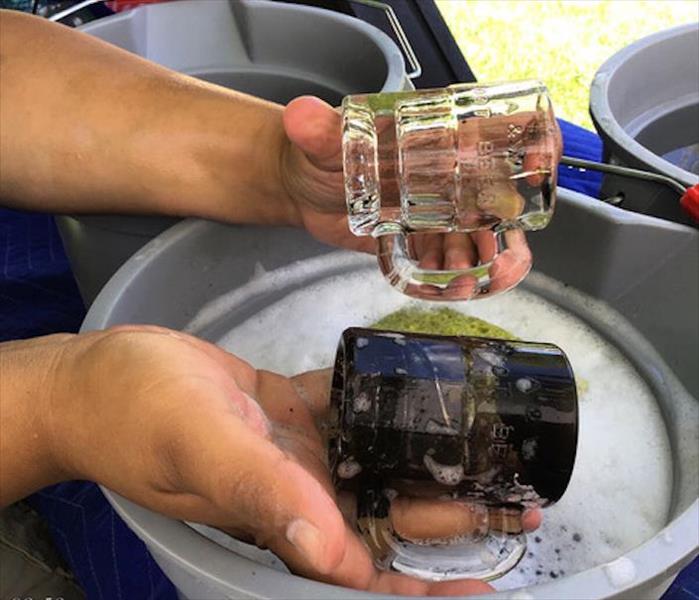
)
(182, 427)
(312, 175)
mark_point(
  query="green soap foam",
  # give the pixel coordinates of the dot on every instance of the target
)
(445, 321)
(440, 321)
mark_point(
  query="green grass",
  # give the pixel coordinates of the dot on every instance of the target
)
(562, 42)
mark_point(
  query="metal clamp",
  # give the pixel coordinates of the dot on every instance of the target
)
(689, 196)
(414, 63)
(624, 171)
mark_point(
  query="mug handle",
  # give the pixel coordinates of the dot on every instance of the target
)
(404, 273)
(486, 556)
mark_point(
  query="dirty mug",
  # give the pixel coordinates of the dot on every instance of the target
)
(482, 426)
(448, 180)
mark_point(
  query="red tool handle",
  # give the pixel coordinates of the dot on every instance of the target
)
(690, 202)
(119, 5)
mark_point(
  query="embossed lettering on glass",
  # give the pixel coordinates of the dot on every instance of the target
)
(448, 180)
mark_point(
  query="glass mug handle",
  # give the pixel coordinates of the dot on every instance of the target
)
(505, 260)
(484, 554)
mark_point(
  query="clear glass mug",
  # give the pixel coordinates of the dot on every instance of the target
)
(448, 180)
(454, 423)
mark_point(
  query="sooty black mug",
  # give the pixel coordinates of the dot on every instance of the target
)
(461, 419)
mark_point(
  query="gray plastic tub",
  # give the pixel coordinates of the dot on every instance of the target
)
(269, 49)
(644, 102)
(644, 268)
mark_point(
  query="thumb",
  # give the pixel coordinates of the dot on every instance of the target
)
(252, 486)
(316, 128)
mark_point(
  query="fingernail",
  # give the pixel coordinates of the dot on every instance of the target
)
(505, 520)
(306, 538)
(527, 517)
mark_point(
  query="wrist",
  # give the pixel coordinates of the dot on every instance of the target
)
(30, 453)
(227, 150)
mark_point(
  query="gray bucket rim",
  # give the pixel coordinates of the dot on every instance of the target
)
(395, 62)
(656, 555)
(152, 528)
(271, 69)
(624, 145)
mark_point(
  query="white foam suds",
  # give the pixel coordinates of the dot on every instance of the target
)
(524, 384)
(620, 491)
(521, 595)
(445, 474)
(361, 403)
(348, 469)
(620, 572)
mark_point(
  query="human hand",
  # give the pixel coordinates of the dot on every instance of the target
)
(188, 430)
(311, 172)
(312, 175)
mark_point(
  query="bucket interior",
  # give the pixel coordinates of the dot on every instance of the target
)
(674, 137)
(225, 283)
(274, 86)
(252, 42)
(617, 499)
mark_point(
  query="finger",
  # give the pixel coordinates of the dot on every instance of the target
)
(513, 264)
(513, 520)
(294, 428)
(486, 245)
(531, 519)
(459, 251)
(428, 250)
(313, 387)
(508, 520)
(422, 518)
(424, 291)
(278, 397)
(316, 128)
(470, 587)
(356, 570)
(402, 585)
(462, 287)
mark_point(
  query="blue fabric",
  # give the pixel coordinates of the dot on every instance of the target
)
(580, 143)
(38, 296)
(108, 559)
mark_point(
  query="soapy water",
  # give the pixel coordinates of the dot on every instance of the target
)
(619, 494)
(620, 572)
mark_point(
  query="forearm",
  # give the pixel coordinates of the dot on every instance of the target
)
(87, 127)
(28, 457)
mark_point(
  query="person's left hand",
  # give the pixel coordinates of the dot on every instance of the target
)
(186, 429)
